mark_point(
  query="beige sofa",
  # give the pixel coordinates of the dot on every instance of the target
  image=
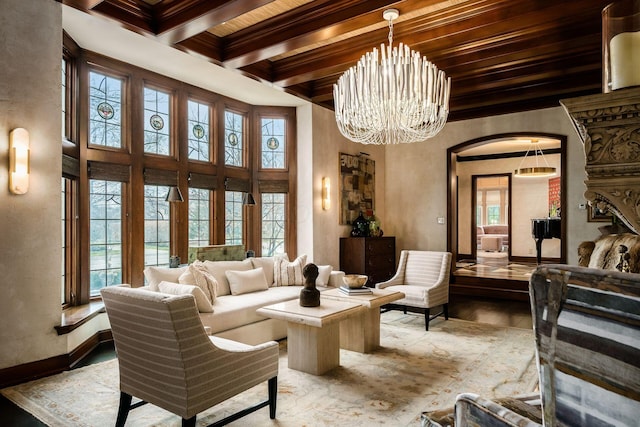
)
(234, 316)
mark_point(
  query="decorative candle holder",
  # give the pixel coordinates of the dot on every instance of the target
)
(621, 45)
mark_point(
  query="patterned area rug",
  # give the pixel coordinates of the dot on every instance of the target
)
(413, 371)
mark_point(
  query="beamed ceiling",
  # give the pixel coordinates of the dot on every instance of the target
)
(502, 55)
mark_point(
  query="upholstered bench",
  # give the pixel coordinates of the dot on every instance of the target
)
(491, 243)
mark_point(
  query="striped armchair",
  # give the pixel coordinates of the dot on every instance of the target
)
(423, 276)
(166, 358)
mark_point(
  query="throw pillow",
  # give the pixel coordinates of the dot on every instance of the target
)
(243, 282)
(204, 280)
(155, 275)
(218, 268)
(324, 271)
(187, 278)
(202, 302)
(288, 273)
(267, 266)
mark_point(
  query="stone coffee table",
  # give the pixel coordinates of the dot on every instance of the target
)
(361, 333)
(313, 333)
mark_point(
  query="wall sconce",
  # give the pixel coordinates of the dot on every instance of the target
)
(19, 166)
(248, 200)
(174, 195)
(326, 194)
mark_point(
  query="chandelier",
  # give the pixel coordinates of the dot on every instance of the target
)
(391, 96)
(538, 169)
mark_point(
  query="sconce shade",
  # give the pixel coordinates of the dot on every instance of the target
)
(174, 195)
(19, 162)
(326, 193)
(247, 199)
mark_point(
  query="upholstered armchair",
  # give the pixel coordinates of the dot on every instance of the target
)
(166, 358)
(423, 277)
(587, 332)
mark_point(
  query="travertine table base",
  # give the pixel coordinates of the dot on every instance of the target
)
(313, 333)
(361, 332)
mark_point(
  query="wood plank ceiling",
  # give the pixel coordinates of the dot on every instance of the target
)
(502, 55)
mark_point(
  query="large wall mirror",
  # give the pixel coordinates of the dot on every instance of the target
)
(492, 207)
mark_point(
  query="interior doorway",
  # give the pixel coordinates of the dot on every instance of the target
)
(491, 224)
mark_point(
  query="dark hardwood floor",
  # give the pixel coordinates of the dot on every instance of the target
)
(498, 312)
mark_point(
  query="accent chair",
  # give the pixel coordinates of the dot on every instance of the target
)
(166, 358)
(587, 332)
(423, 277)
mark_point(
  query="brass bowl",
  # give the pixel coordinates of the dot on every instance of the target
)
(354, 281)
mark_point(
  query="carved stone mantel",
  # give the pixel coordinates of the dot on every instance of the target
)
(609, 126)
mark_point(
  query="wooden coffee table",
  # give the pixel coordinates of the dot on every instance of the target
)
(313, 333)
(361, 333)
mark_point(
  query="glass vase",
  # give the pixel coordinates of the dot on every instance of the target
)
(621, 45)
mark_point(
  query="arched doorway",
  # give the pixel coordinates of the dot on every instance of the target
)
(501, 154)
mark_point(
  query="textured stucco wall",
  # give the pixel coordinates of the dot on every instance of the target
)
(416, 177)
(30, 248)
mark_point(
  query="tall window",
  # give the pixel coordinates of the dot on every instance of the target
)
(233, 218)
(156, 122)
(66, 229)
(273, 143)
(157, 233)
(199, 217)
(105, 110)
(273, 223)
(233, 138)
(105, 261)
(65, 97)
(199, 145)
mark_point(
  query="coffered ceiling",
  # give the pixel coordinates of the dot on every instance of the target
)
(502, 55)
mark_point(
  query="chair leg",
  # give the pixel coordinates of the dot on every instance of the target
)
(445, 308)
(426, 319)
(123, 409)
(191, 422)
(273, 393)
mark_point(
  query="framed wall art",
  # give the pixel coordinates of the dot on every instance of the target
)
(357, 186)
(597, 215)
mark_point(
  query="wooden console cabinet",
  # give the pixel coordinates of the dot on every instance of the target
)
(373, 256)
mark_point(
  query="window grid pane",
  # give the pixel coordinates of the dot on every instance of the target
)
(105, 110)
(156, 225)
(64, 98)
(156, 122)
(273, 223)
(198, 131)
(105, 231)
(273, 143)
(199, 217)
(233, 218)
(233, 139)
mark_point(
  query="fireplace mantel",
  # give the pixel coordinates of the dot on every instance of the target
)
(609, 126)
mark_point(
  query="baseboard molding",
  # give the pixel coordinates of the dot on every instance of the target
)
(53, 365)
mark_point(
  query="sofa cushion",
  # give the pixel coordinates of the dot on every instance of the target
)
(233, 311)
(288, 273)
(324, 272)
(155, 275)
(267, 266)
(202, 302)
(204, 280)
(243, 282)
(218, 270)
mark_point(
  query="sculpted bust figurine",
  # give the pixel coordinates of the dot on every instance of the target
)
(309, 295)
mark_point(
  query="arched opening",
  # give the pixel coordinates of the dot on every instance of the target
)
(484, 191)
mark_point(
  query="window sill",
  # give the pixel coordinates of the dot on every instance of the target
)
(74, 317)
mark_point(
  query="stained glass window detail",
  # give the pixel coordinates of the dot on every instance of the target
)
(105, 110)
(199, 217)
(105, 261)
(233, 138)
(273, 223)
(156, 122)
(273, 143)
(198, 123)
(233, 218)
(156, 225)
